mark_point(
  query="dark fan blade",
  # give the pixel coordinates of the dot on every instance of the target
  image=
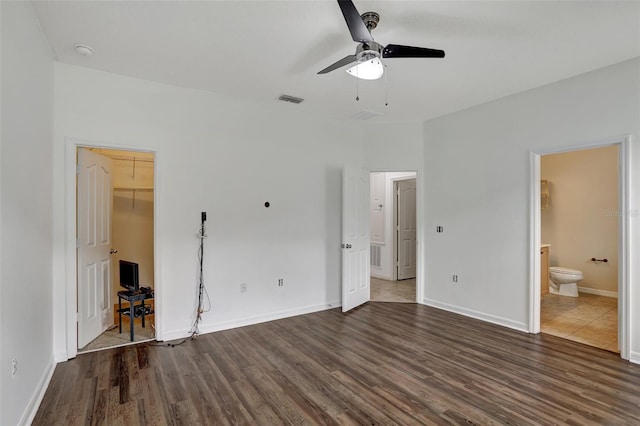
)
(341, 63)
(398, 51)
(357, 28)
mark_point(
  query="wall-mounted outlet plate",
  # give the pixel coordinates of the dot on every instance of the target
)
(455, 278)
(243, 287)
(280, 282)
(14, 367)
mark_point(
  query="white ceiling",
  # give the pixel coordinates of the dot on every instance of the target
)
(261, 49)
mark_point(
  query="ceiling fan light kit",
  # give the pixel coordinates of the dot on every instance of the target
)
(369, 67)
(368, 64)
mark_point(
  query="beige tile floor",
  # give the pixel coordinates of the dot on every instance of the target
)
(588, 319)
(112, 338)
(393, 291)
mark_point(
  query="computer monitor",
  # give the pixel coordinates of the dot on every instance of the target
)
(129, 278)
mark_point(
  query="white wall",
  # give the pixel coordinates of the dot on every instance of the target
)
(227, 157)
(395, 147)
(26, 224)
(477, 165)
(582, 219)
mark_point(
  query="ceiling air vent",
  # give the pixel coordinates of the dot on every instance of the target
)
(365, 115)
(292, 99)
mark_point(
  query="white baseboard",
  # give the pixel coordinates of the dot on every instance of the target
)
(242, 322)
(381, 276)
(597, 292)
(493, 319)
(634, 357)
(60, 357)
(35, 400)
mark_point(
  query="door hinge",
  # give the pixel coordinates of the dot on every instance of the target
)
(77, 316)
(77, 169)
(77, 242)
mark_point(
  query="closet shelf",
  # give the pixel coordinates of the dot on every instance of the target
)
(133, 188)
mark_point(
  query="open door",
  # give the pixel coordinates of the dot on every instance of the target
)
(94, 204)
(355, 238)
(406, 229)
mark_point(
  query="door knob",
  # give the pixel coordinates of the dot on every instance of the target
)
(113, 251)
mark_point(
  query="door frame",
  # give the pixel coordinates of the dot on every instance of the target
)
(624, 308)
(71, 281)
(420, 262)
(394, 221)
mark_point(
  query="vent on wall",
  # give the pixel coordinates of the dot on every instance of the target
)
(365, 115)
(289, 98)
(375, 255)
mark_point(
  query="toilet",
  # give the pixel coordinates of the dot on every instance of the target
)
(564, 281)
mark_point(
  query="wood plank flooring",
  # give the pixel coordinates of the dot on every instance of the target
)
(384, 363)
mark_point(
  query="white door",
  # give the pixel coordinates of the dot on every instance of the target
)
(406, 228)
(355, 238)
(94, 204)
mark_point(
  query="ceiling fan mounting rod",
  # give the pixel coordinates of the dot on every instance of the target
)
(370, 19)
(369, 46)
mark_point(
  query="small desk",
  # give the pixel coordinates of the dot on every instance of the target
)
(132, 297)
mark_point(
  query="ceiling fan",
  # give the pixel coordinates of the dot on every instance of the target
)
(368, 53)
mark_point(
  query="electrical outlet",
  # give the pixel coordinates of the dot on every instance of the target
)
(455, 278)
(280, 282)
(243, 287)
(14, 367)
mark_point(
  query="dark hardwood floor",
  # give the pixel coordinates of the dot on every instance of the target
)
(385, 363)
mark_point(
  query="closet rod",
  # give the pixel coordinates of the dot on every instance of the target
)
(136, 159)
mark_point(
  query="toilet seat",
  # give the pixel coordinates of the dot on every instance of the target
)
(564, 271)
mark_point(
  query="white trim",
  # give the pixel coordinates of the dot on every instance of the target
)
(493, 319)
(624, 308)
(71, 302)
(535, 227)
(624, 261)
(634, 357)
(60, 357)
(597, 292)
(379, 276)
(243, 322)
(36, 399)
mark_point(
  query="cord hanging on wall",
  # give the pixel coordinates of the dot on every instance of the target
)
(202, 291)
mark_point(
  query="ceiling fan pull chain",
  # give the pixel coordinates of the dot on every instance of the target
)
(357, 86)
(386, 87)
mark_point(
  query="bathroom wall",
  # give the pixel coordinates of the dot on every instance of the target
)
(581, 221)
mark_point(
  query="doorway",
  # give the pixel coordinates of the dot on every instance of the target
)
(579, 201)
(580, 233)
(393, 237)
(121, 200)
